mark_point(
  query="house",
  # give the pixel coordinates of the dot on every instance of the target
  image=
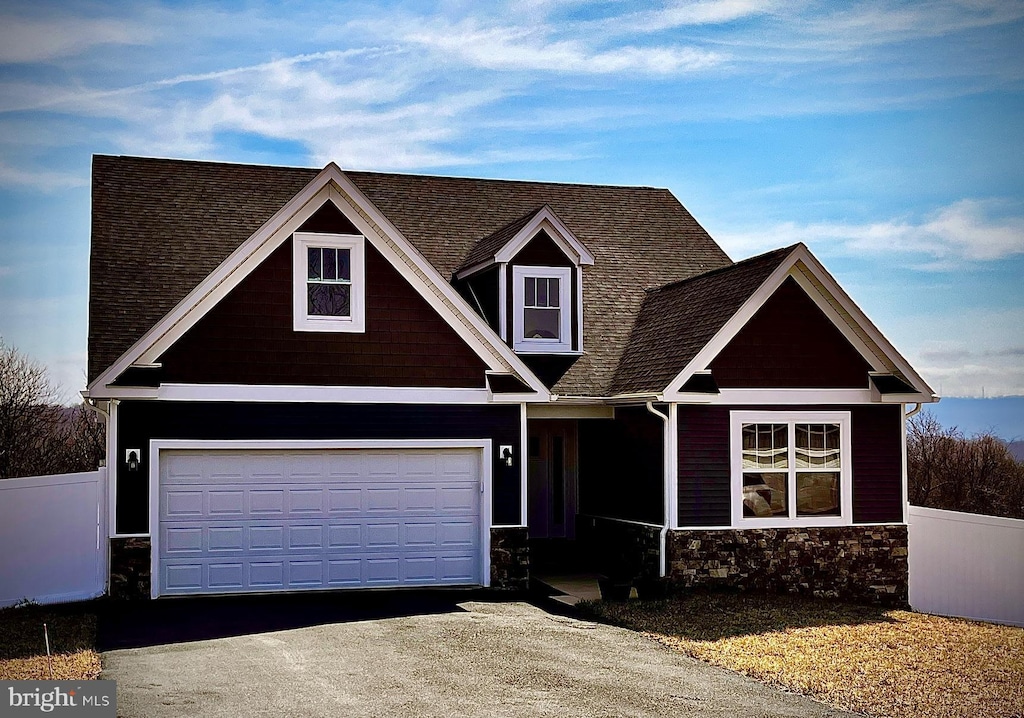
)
(328, 379)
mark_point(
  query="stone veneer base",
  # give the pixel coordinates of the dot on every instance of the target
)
(864, 564)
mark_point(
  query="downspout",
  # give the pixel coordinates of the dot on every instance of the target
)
(914, 411)
(666, 469)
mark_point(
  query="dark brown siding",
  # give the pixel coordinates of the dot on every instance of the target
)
(140, 421)
(877, 464)
(621, 466)
(876, 453)
(248, 338)
(541, 251)
(703, 466)
(790, 343)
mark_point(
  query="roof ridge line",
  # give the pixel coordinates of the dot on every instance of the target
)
(717, 270)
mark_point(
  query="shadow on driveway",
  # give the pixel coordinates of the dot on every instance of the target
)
(138, 624)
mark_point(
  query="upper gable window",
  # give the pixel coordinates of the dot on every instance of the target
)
(542, 309)
(329, 284)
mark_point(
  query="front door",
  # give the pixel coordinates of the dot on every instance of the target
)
(552, 478)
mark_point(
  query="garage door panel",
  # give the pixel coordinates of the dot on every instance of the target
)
(270, 520)
(182, 503)
(226, 575)
(229, 502)
(304, 538)
(344, 501)
(183, 539)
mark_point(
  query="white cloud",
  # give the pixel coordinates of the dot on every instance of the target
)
(889, 22)
(687, 14)
(965, 231)
(38, 179)
(24, 40)
(504, 47)
(964, 352)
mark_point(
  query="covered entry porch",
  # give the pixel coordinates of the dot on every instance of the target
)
(595, 480)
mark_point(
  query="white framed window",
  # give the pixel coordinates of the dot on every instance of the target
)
(790, 469)
(541, 309)
(328, 282)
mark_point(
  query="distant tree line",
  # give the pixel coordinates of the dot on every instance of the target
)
(976, 474)
(38, 436)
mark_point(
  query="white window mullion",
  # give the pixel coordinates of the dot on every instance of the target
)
(791, 464)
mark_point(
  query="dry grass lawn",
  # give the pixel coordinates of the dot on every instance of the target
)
(72, 631)
(884, 663)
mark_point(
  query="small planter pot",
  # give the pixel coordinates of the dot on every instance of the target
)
(614, 589)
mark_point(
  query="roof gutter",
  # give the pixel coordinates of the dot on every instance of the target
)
(667, 469)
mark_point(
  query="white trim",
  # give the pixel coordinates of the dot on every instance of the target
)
(524, 460)
(524, 344)
(672, 489)
(503, 302)
(112, 464)
(624, 521)
(330, 184)
(792, 396)
(740, 528)
(579, 309)
(734, 397)
(548, 221)
(559, 410)
(301, 320)
(158, 445)
(736, 421)
(799, 264)
(319, 394)
(903, 463)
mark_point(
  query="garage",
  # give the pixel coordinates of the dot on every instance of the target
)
(245, 519)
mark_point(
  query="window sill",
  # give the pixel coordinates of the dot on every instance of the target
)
(305, 324)
(550, 352)
(800, 523)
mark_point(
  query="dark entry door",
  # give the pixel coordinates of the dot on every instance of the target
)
(552, 478)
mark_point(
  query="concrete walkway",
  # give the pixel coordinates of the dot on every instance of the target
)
(571, 588)
(479, 658)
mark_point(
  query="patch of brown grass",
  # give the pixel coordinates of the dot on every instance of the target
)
(72, 643)
(895, 664)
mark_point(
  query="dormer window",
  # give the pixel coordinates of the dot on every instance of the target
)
(542, 309)
(328, 283)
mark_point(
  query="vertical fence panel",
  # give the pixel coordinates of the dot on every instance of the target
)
(52, 542)
(967, 565)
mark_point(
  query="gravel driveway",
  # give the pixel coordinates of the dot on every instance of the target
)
(453, 656)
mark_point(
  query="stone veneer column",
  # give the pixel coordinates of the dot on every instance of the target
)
(510, 559)
(865, 564)
(129, 568)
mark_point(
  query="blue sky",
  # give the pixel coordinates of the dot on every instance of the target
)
(887, 136)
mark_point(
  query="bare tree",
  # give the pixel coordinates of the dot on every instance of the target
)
(948, 470)
(37, 435)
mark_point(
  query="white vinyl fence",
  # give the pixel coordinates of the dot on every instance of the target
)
(52, 546)
(967, 565)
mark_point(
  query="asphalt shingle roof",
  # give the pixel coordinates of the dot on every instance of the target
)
(676, 321)
(487, 247)
(161, 226)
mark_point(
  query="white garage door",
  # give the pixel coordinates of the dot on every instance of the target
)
(261, 520)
